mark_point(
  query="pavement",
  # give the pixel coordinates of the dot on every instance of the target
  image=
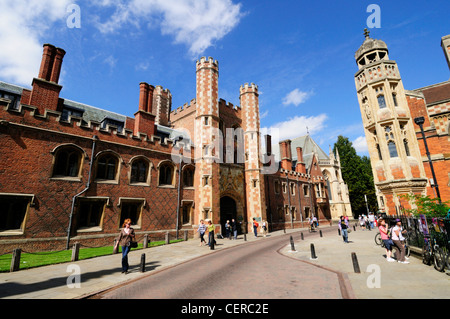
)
(378, 278)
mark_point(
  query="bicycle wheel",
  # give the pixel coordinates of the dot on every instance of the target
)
(378, 240)
(407, 249)
(426, 254)
(439, 259)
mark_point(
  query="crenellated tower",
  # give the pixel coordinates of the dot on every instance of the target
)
(207, 172)
(254, 182)
(394, 152)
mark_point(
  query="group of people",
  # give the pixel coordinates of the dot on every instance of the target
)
(393, 237)
(202, 229)
(367, 221)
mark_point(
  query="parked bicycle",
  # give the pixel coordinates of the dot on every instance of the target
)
(432, 253)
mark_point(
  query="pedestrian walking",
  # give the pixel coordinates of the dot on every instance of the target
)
(388, 243)
(371, 220)
(201, 230)
(361, 221)
(125, 238)
(228, 229)
(265, 227)
(397, 237)
(210, 228)
(343, 226)
(255, 227)
(234, 228)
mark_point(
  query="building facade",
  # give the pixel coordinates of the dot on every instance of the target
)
(389, 113)
(73, 173)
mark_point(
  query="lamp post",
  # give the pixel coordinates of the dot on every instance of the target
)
(419, 121)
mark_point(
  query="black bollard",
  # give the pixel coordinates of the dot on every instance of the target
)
(301, 234)
(245, 237)
(354, 227)
(355, 263)
(142, 268)
(313, 252)
(292, 244)
(320, 231)
(212, 243)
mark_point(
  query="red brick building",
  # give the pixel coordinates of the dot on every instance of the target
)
(73, 173)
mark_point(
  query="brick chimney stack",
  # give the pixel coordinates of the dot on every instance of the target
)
(144, 119)
(45, 92)
(285, 155)
(300, 167)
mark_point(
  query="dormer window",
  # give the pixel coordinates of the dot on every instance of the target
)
(112, 122)
(68, 111)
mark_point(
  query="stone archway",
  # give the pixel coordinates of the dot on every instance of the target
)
(228, 211)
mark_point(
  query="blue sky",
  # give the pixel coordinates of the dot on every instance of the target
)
(299, 53)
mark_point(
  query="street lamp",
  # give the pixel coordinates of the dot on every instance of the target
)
(419, 121)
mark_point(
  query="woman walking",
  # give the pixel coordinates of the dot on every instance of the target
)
(202, 229)
(125, 237)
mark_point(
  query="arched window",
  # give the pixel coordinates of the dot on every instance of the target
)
(107, 166)
(394, 97)
(139, 171)
(381, 101)
(380, 97)
(188, 176)
(392, 149)
(67, 162)
(166, 174)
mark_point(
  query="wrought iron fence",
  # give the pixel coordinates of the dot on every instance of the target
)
(420, 227)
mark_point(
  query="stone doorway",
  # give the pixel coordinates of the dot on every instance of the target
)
(228, 211)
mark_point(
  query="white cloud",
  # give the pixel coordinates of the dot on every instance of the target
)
(360, 144)
(22, 25)
(296, 97)
(264, 114)
(295, 127)
(195, 23)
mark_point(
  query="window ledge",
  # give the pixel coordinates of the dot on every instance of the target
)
(12, 232)
(89, 229)
(106, 181)
(65, 178)
(166, 186)
(140, 184)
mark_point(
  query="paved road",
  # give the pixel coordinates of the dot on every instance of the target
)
(253, 271)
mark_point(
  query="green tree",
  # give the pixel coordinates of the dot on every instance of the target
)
(428, 206)
(357, 174)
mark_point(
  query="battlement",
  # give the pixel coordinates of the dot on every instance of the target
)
(249, 88)
(223, 103)
(203, 61)
(160, 90)
(28, 116)
(184, 107)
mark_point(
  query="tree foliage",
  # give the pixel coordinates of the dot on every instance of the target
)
(357, 174)
(427, 206)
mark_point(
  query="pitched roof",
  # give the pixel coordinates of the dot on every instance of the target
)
(308, 146)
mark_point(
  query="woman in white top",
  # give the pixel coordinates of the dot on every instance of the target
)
(397, 238)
